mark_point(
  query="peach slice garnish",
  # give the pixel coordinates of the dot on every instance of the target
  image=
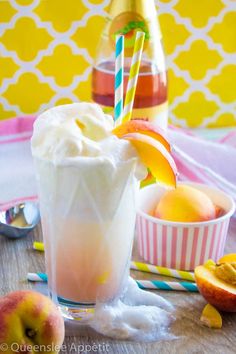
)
(142, 127)
(154, 156)
(211, 317)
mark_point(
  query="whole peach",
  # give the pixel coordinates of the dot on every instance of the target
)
(30, 323)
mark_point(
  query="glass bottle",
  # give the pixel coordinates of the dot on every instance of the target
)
(126, 17)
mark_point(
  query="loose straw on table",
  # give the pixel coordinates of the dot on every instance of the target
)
(143, 284)
(167, 285)
(133, 76)
(38, 246)
(144, 267)
(119, 80)
(174, 273)
(37, 277)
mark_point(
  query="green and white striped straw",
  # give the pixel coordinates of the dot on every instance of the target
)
(145, 267)
(133, 76)
(143, 284)
(168, 272)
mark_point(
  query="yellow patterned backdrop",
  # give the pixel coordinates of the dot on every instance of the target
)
(47, 49)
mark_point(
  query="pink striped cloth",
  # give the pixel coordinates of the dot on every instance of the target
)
(203, 161)
(198, 160)
(230, 139)
(17, 177)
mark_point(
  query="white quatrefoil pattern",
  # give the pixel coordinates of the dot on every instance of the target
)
(47, 49)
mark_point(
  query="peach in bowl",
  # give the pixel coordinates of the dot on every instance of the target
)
(182, 228)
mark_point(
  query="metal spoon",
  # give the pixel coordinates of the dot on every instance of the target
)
(19, 220)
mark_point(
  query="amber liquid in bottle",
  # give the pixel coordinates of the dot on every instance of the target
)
(151, 88)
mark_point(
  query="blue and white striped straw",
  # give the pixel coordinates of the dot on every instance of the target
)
(167, 285)
(143, 284)
(37, 277)
(119, 78)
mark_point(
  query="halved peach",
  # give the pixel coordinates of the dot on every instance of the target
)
(216, 291)
(142, 127)
(154, 156)
(227, 258)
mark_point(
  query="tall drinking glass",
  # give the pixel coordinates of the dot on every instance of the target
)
(88, 217)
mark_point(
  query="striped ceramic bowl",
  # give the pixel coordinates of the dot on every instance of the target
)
(181, 245)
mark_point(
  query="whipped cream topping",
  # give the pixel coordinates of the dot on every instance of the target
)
(67, 132)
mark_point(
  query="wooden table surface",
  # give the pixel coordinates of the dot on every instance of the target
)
(17, 258)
